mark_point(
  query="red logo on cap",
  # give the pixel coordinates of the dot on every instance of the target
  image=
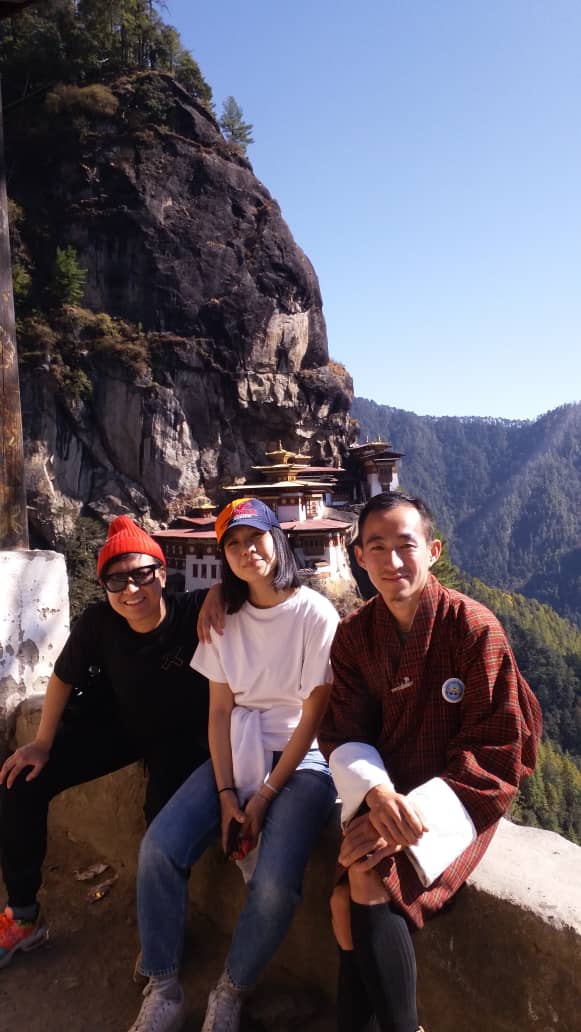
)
(246, 509)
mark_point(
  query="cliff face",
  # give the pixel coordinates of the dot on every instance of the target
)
(217, 344)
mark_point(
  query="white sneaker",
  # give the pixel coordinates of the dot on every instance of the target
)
(159, 1013)
(224, 1006)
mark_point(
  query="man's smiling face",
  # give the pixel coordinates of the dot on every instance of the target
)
(142, 605)
(397, 556)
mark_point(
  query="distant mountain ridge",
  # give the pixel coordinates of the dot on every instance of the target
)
(507, 493)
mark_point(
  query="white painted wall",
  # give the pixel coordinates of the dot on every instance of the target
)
(197, 580)
(291, 513)
(34, 623)
(373, 484)
(338, 560)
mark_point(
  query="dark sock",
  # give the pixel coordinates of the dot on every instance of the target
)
(386, 959)
(354, 1010)
(29, 913)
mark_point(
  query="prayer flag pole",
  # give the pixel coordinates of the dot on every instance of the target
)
(13, 515)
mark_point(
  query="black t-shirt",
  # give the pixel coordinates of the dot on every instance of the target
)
(157, 694)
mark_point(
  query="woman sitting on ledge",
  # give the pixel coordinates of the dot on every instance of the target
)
(267, 790)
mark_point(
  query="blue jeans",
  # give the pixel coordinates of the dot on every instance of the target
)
(182, 831)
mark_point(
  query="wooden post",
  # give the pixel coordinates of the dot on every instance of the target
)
(13, 516)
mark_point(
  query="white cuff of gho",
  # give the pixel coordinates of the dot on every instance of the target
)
(356, 768)
(451, 829)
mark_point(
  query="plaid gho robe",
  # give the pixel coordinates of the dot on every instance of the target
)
(389, 695)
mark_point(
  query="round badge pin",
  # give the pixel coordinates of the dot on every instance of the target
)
(453, 689)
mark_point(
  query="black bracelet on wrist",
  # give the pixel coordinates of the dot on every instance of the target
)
(228, 788)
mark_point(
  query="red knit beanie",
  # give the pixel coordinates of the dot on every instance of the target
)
(125, 536)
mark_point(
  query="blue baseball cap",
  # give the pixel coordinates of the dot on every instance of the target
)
(249, 512)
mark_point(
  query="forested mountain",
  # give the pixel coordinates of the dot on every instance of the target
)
(548, 652)
(507, 494)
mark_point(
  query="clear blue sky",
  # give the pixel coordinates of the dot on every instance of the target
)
(426, 155)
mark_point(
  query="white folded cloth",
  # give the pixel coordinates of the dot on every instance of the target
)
(358, 767)
(254, 736)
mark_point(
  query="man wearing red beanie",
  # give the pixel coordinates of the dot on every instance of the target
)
(122, 690)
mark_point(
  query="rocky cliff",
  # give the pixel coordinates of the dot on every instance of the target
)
(200, 339)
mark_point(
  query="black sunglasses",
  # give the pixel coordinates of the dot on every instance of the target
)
(143, 575)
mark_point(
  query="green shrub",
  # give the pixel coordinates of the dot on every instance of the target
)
(36, 338)
(81, 100)
(75, 383)
(15, 213)
(152, 99)
(21, 282)
(99, 332)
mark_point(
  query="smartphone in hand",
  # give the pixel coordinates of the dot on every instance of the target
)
(232, 842)
(237, 847)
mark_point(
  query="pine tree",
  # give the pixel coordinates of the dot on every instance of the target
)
(80, 550)
(233, 126)
(68, 279)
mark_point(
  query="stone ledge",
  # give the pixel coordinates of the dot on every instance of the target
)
(505, 956)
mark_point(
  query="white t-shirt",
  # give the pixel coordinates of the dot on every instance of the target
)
(272, 659)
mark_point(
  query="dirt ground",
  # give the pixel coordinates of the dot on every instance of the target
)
(81, 981)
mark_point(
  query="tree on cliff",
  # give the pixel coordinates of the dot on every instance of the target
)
(80, 550)
(90, 41)
(68, 279)
(233, 125)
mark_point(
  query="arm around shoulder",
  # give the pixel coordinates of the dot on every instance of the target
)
(210, 613)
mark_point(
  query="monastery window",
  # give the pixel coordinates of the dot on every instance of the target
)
(194, 569)
(204, 571)
(213, 571)
(191, 549)
(313, 545)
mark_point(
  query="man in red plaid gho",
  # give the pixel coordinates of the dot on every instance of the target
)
(429, 730)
